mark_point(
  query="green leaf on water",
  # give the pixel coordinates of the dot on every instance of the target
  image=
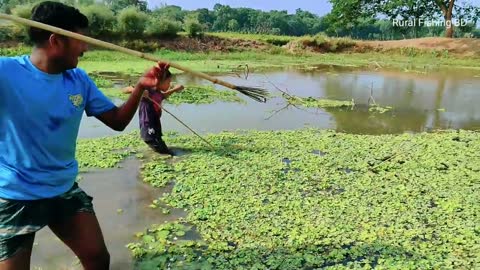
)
(318, 199)
(162, 235)
(179, 233)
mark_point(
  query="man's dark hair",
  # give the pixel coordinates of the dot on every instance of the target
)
(58, 15)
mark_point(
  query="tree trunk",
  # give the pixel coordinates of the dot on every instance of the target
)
(448, 19)
(449, 26)
(447, 11)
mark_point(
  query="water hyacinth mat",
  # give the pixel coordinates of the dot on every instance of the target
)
(310, 199)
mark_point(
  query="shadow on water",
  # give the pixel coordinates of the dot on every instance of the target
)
(421, 102)
(121, 201)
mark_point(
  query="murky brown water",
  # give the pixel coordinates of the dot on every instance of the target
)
(112, 190)
(421, 102)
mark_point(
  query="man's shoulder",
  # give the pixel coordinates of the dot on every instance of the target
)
(78, 73)
(78, 76)
(13, 67)
(8, 61)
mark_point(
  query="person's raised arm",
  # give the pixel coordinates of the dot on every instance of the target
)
(119, 117)
(176, 88)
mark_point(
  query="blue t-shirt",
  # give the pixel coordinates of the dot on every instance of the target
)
(40, 116)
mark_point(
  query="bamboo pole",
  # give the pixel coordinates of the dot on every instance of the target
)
(245, 90)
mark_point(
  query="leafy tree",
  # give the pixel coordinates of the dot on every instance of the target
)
(348, 12)
(233, 25)
(223, 14)
(174, 13)
(205, 17)
(118, 5)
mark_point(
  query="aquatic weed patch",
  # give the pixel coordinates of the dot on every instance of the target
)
(157, 172)
(196, 94)
(311, 102)
(106, 152)
(318, 199)
(100, 81)
(192, 94)
(379, 109)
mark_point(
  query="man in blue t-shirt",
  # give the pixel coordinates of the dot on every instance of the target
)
(42, 99)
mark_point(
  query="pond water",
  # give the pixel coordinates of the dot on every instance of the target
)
(121, 201)
(421, 102)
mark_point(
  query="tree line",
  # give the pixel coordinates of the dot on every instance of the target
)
(359, 19)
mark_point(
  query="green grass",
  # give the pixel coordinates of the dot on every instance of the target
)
(311, 199)
(426, 62)
(205, 62)
(216, 62)
(263, 62)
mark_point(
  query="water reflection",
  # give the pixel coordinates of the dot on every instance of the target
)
(421, 102)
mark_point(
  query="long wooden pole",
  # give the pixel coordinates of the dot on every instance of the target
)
(111, 46)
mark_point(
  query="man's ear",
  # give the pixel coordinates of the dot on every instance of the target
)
(56, 41)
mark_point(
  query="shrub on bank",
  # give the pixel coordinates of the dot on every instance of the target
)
(23, 11)
(132, 22)
(101, 19)
(12, 32)
(193, 27)
(321, 43)
(162, 27)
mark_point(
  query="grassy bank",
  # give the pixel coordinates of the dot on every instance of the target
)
(312, 199)
(215, 62)
(223, 62)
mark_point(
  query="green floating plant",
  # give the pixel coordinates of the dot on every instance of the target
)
(106, 152)
(379, 109)
(192, 94)
(310, 199)
(319, 103)
(197, 94)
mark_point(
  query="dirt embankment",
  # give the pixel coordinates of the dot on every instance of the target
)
(466, 47)
(180, 43)
(198, 44)
(460, 46)
(463, 47)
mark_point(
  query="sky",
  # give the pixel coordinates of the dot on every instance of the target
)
(320, 7)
